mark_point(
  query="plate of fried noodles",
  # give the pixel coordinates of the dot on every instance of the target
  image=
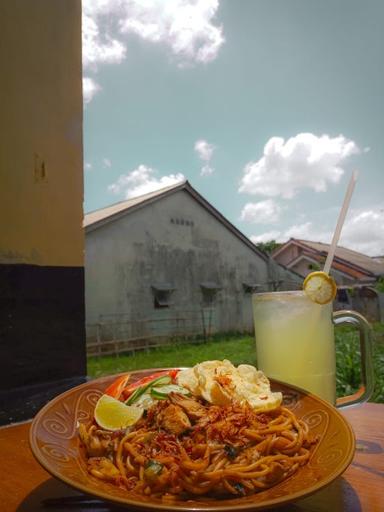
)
(212, 437)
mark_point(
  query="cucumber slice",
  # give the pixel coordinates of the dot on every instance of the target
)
(136, 395)
(160, 381)
(145, 401)
(161, 393)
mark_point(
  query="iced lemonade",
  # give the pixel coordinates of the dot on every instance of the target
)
(295, 341)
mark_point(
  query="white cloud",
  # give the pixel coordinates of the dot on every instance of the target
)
(99, 47)
(87, 166)
(303, 161)
(142, 181)
(363, 231)
(107, 162)
(186, 27)
(307, 231)
(90, 88)
(263, 212)
(206, 170)
(205, 151)
(265, 237)
(304, 231)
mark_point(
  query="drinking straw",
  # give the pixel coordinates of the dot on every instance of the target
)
(340, 222)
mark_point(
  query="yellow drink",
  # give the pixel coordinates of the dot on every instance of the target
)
(295, 341)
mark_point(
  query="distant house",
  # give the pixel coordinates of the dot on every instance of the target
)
(348, 267)
(169, 262)
(356, 274)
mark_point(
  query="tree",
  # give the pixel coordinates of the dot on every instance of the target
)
(380, 284)
(268, 247)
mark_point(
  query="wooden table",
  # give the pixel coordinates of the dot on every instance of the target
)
(24, 484)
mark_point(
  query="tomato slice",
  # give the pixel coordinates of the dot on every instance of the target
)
(117, 386)
(128, 390)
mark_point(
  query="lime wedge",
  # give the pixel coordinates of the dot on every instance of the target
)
(111, 414)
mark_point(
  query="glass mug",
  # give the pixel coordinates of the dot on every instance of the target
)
(295, 344)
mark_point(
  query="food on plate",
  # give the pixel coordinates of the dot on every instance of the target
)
(220, 383)
(213, 429)
(117, 386)
(111, 414)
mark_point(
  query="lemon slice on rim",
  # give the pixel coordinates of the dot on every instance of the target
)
(320, 287)
(111, 414)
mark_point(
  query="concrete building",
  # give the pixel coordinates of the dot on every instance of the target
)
(168, 262)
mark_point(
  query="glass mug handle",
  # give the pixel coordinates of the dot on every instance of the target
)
(367, 373)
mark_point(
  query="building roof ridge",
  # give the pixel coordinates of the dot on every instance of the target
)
(104, 213)
(351, 257)
(100, 217)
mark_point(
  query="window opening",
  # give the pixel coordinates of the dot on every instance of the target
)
(249, 287)
(209, 292)
(162, 295)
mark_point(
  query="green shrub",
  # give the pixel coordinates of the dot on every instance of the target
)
(348, 361)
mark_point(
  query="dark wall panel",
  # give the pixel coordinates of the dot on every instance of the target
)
(42, 324)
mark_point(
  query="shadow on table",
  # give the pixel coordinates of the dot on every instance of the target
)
(54, 495)
(339, 496)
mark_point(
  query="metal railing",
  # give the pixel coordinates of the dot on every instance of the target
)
(115, 333)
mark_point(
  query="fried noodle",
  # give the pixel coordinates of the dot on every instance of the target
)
(225, 450)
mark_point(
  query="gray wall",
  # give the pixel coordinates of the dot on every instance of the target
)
(125, 257)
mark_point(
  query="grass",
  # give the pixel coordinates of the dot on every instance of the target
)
(241, 349)
(348, 361)
(238, 349)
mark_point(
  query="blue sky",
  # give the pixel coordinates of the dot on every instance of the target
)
(265, 106)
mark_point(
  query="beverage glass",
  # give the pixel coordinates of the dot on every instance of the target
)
(295, 344)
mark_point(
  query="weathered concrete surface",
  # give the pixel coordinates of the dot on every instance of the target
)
(173, 240)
